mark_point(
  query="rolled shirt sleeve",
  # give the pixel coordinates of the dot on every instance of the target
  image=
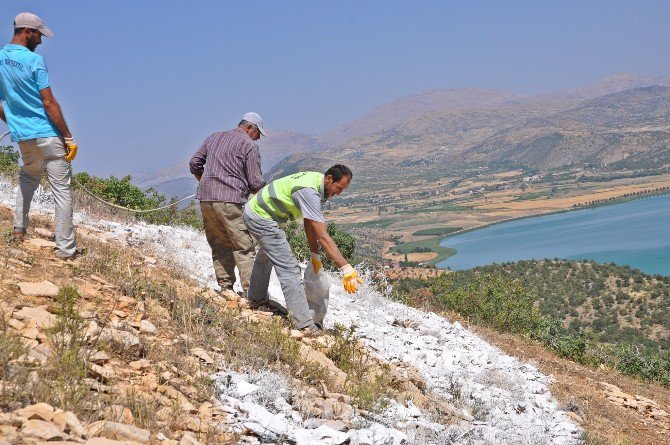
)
(253, 170)
(197, 163)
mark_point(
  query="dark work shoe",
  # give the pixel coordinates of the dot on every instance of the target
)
(268, 306)
(77, 253)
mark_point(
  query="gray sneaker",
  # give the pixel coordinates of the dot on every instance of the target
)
(311, 331)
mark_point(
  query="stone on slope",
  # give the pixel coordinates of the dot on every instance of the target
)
(184, 403)
(39, 242)
(106, 441)
(99, 358)
(261, 431)
(202, 355)
(42, 318)
(119, 413)
(244, 388)
(100, 372)
(39, 411)
(68, 422)
(261, 416)
(41, 429)
(119, 431)
(188, 439)
(122, 340)
(318, 357)
(322, 434)
(147, 327)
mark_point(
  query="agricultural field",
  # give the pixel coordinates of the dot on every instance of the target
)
(412, 213)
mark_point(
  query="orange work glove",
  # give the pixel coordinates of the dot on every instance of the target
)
(316, 261)
(351, 279)
(71, 147)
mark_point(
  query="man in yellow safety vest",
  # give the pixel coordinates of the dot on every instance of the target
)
(287, 199)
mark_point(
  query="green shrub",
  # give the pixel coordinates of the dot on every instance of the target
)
(121, 192)
(652, 367)
(124, 193)
(12, 378)
(369, 388)
(297, 239)
(9, 160)
(502, 304)
(61, 381)
(564, 344)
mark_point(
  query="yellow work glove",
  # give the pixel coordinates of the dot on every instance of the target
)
(351, 279)
(316, 261)
(71, 147)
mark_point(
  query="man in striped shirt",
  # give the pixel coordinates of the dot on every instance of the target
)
(228, 166)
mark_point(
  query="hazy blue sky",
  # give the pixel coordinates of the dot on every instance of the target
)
(143, 82)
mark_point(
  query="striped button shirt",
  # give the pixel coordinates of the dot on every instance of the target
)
(230, 165)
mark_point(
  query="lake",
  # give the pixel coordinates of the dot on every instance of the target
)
(635, 233)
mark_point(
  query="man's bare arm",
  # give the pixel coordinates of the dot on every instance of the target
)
(54, 112)
(318, 234)
(2, 113)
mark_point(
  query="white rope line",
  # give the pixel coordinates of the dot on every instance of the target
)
(111, 204)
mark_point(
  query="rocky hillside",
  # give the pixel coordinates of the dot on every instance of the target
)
(409, 107)
(129, 342)
(450, 128)
(546, 131)
(628, 125)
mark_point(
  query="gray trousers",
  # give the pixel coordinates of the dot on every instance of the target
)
(47, 154)
(275, 251)
(230, 241)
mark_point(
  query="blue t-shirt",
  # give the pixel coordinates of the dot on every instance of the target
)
(22, 75)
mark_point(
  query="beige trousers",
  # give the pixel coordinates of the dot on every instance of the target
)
(39, 155)
(230, 241)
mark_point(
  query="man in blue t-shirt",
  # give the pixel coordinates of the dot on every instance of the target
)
(36, 122)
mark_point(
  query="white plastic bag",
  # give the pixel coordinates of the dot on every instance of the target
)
(317, 291)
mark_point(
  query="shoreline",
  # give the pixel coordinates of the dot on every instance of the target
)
(555, 212)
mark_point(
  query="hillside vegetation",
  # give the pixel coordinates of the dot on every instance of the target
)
(614, 304)
(592, 313)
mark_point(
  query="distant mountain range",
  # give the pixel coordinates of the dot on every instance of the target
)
(622, 117)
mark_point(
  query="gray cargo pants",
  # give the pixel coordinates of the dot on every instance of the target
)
(40, 154)
(275, 251)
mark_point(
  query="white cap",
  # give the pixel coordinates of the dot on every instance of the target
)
(255, 119)
(30, 20)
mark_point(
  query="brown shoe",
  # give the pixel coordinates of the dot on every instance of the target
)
(19, 235)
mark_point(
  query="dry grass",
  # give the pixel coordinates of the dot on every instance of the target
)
(369, 382)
